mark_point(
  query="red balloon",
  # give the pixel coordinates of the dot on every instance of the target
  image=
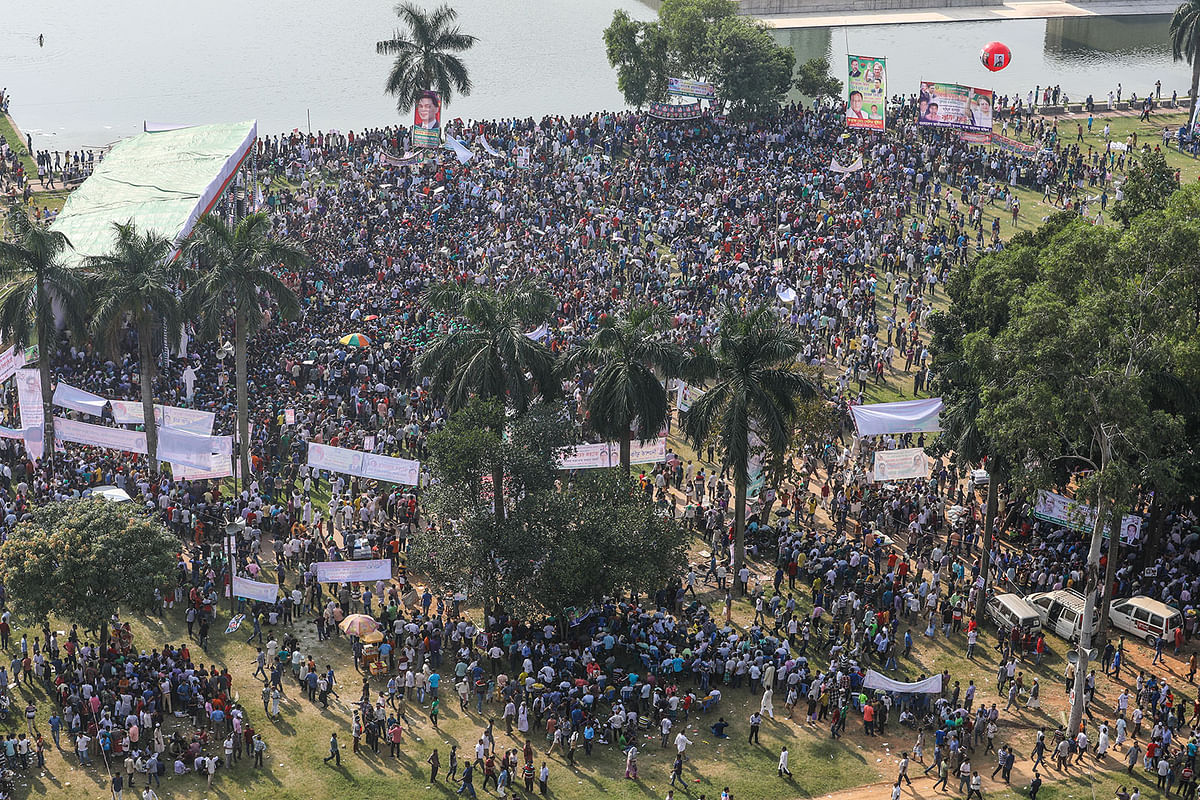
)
(995, 56)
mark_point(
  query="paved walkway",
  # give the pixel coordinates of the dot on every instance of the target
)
(1013, 9)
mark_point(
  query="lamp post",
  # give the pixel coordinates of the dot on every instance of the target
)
(231, 536)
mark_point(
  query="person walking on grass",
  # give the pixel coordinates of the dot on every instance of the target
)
(335, 752)
(903, 774)
(783, 762)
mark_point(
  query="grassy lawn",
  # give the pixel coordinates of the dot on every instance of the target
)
(17, 143)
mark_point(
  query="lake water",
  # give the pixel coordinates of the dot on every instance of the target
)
(107, 68)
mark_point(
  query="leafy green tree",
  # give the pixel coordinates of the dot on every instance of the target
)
(1069, 376)
(236, 281)
(84, 561)
(486, 353)
(137, 281)
(562, 544)
(1185, 36)
(688, 25)
(813, 80)
(755, 390)
(631, 354)
(35, 279)
(638, 51)
(749, 70)
(426, 55)
(1149, 185)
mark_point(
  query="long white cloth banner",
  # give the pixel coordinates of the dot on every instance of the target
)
(33, 414)
(391, 470)
(11, 433)
(11, 360)
(351, 571)
(335, 459)
(69, 430)
(129, 412)
(906, 416)
(874, 680)
(255, 590)
(899, 465)
(191, 449)
(220, 467)
(67, 396)
(608, 454)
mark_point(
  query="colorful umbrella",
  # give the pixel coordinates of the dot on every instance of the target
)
(370, 317)
(359, 625)
(355, 340)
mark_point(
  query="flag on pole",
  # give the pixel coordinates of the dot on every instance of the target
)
(486, 145)
(460, 149)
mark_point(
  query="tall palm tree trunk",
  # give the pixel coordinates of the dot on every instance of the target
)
(146, 359)
(243, 411)
(626, 438)
(45, 330)
(1195, 78)
(739, 522)
(1110, 575)
(989, 527)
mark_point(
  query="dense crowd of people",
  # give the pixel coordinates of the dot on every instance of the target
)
(608, 210)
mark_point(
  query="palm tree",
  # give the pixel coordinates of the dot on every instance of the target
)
(425, 55)
(1185, 39)
(757, 386)
(489, 356)
(236, 279)
(136, 281)
(631, 355)
(35, 280)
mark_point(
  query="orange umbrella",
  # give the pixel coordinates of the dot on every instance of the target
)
(359, 625)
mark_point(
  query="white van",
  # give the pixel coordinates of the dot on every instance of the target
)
(1007, 611)
(1144, 617)
(1061, 612)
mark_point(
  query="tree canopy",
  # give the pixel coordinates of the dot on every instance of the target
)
(85, 560)
(813, 80)
(562, 544)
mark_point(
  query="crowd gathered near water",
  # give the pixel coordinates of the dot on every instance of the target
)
(609, 210)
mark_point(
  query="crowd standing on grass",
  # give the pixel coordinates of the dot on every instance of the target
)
(608, 209)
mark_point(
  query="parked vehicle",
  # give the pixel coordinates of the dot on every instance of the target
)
(1008, 610)
(1061, 612)
(1144, 617)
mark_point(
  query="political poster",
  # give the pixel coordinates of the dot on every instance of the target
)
(69, 430)
(522, 159)
(681, 87)
(352, 571)
(608, 454)
(866, 93)
(335, 459)
(220, 466)
(686, 394)
(129, 412)
(951, 105)
(427, 120)
(391, 470)
(1055, 508)
(899, 465)
(11, 360)
(191, 449)
(255, 590)
(677, 112)
(33, 413)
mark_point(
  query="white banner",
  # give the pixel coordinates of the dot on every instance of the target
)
(686, 394)
(874, 680)
(67, 396)
(899, 465)
(352, 571)
(129, 412)
(11, 433)
(255, 590)
(69, 430)
(191, 449)
(335, 459)
(906, 416)
(33, 414)
(608, 454)
(392, 470)
(11, 360)
(221, 466)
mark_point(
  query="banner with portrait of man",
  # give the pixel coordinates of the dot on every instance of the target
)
(866, 98)
(427, 120)
(951, 105)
